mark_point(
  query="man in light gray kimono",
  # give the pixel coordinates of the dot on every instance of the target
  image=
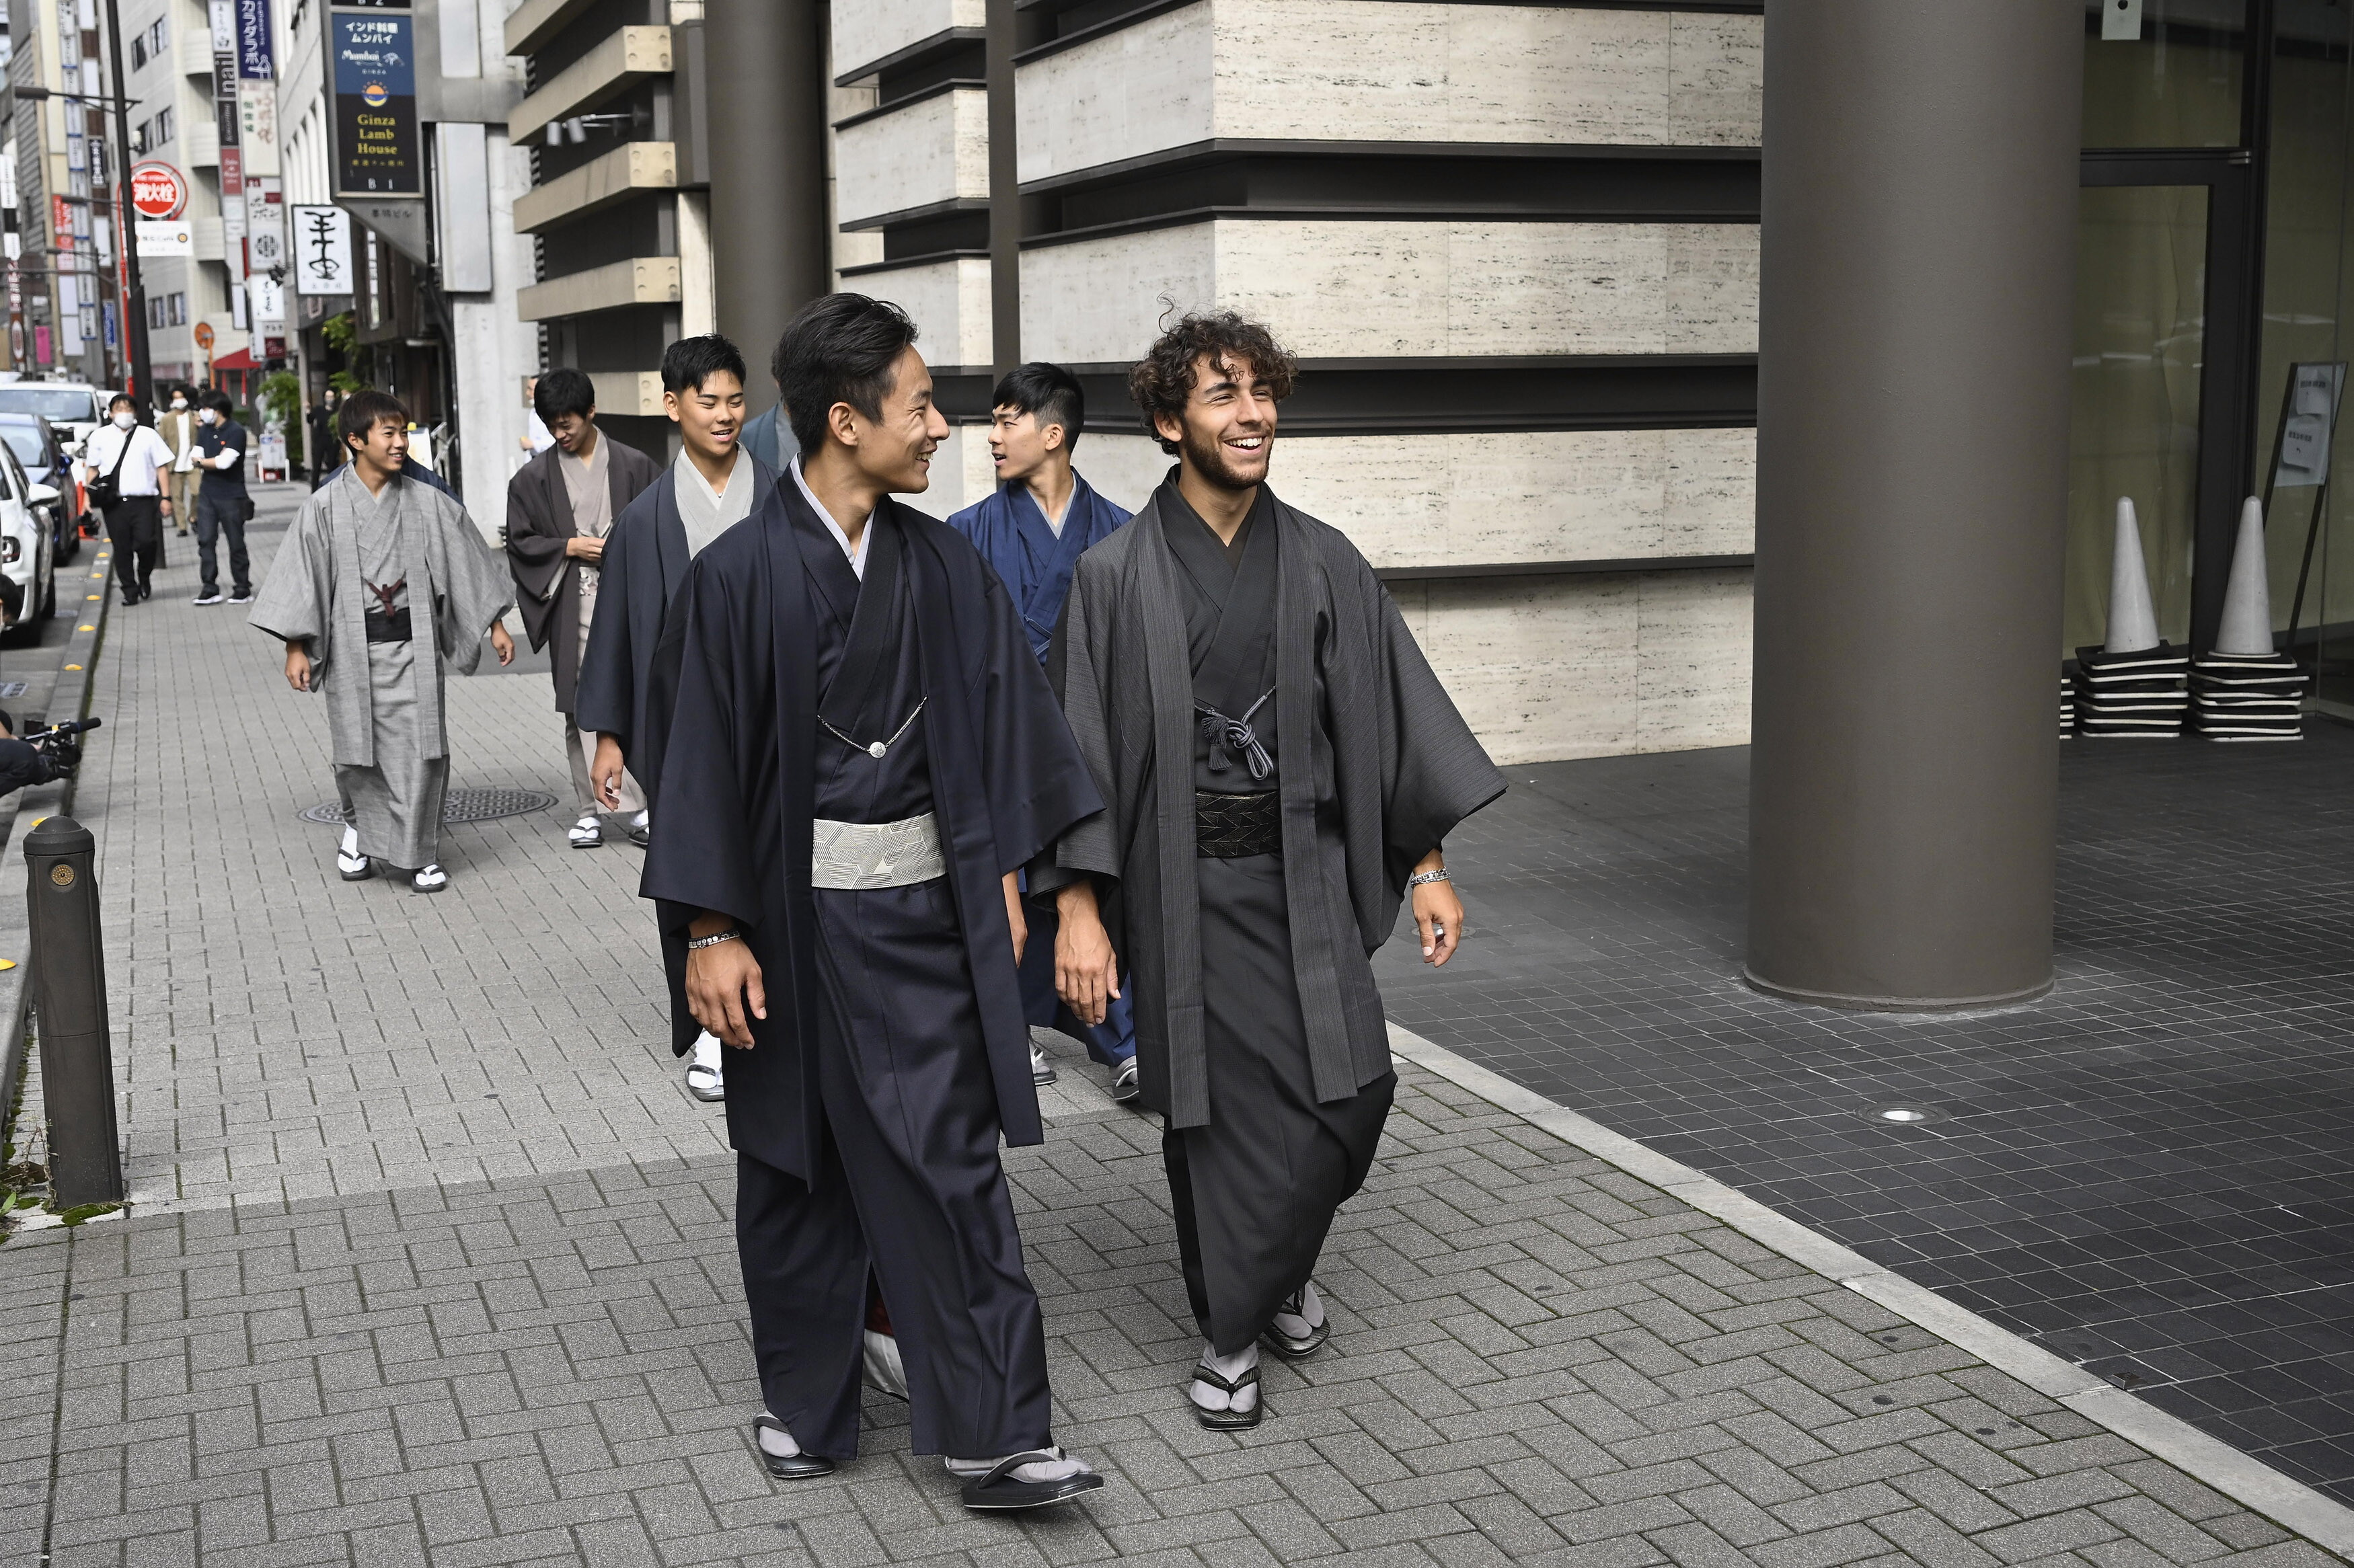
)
(372, 559)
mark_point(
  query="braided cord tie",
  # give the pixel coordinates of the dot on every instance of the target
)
(1231, 738)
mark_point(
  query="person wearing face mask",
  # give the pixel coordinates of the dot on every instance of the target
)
(125, 463)
(177, 426)
(223, 505)
(321, 428)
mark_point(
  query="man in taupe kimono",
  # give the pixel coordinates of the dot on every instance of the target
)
(560, 506)
(383, 586)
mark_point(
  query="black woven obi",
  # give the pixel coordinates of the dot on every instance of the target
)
(1227, 827)
(388, 626)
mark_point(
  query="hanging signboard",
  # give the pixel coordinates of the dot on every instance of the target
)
(374, 77)
(322, 258)
(158, 190)
(161, 237)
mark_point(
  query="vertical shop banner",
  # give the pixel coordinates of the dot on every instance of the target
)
(222, 14)
(375, 77)
(322, 261)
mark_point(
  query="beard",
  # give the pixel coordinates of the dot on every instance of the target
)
(1209, 457)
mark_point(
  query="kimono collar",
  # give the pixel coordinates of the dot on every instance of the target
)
(856, 554)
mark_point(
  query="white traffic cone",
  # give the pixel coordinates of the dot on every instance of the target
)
(2247, 628)
(2133, 618)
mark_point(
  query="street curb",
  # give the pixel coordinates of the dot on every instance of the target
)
(67, 699)
(2291, 1504)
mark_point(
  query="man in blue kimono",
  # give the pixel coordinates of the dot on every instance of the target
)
(1034, 528)
(863, 751)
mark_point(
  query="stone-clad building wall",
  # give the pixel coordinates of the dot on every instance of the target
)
(1515, 247)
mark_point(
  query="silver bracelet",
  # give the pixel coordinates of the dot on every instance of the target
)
(1418, 878)
(713, 940)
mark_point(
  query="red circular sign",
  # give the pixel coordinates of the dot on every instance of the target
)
(158, 190)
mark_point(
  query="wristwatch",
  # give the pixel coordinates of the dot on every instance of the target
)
(713, 940)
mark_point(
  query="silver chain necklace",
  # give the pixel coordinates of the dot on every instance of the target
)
(876, 748)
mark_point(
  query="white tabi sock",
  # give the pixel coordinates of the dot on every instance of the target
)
(776, 1440)
(707, 1051)
(1230, 1367)
(1060, 1467)
(1299, 1325)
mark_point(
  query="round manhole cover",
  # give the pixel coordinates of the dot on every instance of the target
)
(459, 806)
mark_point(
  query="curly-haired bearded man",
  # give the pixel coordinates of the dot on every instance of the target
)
(1280, 767)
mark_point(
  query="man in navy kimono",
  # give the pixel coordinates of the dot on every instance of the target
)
(862, 750)
(1033, 529)
(713, 485)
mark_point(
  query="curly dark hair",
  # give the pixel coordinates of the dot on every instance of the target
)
(1163, 378)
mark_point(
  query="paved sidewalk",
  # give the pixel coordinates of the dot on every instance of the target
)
(433, 1264)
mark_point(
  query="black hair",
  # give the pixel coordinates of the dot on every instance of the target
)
(692, 361)
(1047, 392)
(122, 400)
(218, 401)
(364, 410)
(838, 348)
(562, 392)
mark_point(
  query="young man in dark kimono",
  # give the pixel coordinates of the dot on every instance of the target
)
(863, 750)
(1281, 767)
(713, 484)
(1034, 528)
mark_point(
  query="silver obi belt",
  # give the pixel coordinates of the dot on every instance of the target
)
(851, 855)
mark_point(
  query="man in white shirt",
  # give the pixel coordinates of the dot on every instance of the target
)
(133, 459)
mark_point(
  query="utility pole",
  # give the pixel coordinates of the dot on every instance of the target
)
(134, 327)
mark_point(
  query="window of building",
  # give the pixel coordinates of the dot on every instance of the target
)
(157, 36)
(139, 51)
(162, 126)
(178, 309)
(155, 312)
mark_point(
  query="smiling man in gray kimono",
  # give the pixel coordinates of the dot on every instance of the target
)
(1280, 767)
(383, 586)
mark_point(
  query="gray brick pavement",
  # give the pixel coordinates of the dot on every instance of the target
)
(437, 1327)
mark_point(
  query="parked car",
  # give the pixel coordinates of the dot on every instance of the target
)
(28, 543)
(76, 408)
(41, 448)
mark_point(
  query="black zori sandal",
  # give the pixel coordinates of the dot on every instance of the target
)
(1227, 1420)
(1298, 1350)
(1001, 1489)
(786, 1466)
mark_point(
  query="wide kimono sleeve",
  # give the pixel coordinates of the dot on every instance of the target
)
(1075, 673)
(707, 850)
(603, 699)
(1038, 782)
(536, 550)
(1439, 773)
(294, 603)
(475, 589)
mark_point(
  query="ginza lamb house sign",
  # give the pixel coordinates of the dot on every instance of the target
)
(158, 190)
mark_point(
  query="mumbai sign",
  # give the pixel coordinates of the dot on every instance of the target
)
(158, 191)
(377, 151)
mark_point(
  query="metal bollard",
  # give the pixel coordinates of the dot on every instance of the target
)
(69, 993)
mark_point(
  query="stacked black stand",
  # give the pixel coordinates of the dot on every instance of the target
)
(2248, 697)
(2125, 694)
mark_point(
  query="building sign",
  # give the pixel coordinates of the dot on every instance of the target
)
(222, 14)
(253, 60)
(321, 255)
(375, 75)
(158, 190)
(166, 237)
(265, 223)
(61, 224)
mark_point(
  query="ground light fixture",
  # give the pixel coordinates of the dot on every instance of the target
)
(1905, 1115)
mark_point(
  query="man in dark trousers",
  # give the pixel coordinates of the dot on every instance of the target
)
(560, 507)
(133, 461)
(1281, 767)
(864, 750)
(1034, 528)
(222, 503)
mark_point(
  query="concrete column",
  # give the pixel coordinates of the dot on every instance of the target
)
(765, 75)
(1920, 219)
